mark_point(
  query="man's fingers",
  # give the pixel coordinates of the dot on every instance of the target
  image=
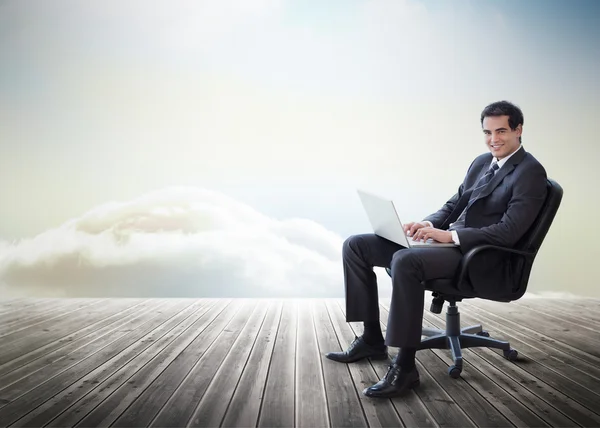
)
(424, 234)
(419, 234)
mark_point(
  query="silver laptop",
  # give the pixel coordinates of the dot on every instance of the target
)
(386, 223)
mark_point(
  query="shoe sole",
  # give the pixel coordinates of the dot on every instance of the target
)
(372, 357)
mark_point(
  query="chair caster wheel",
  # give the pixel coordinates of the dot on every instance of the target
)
(454, 372)
(510, 354)
(483, 333)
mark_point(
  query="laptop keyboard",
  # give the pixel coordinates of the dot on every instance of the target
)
(412, 241)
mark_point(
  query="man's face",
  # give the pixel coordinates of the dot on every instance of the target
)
(500, 139)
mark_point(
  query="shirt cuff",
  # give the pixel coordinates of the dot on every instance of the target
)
(455, 237)
(430, 224)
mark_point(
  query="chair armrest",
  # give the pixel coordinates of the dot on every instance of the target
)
(467, 258)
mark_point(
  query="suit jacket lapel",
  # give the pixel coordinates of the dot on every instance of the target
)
(463, 201)
(503, 172)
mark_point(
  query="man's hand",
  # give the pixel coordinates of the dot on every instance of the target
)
(425, 233)
(411, 228)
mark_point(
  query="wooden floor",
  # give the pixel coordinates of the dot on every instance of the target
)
(212, 362)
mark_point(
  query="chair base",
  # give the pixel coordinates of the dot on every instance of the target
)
(455, 339)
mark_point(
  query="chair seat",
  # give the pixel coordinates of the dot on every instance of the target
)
(446, 288)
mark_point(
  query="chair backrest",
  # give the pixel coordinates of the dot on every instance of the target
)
(533, 238)
(531, 242)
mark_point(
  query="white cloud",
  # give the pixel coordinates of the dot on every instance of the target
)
(179, 241)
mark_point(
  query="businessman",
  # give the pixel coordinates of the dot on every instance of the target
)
(496, 203)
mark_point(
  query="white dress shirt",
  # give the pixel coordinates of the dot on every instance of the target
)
(500, 163)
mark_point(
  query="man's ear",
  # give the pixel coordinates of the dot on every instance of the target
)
(519, 129)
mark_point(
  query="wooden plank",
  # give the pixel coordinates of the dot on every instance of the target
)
(35, 337)
(45, 317)
(19, 320)
(563, 350)
(244, 408)
(60, 348)
(566, 332)
(439, 404)
(214, 403)
(580, 308)
(4, 300)
(311, 403)
(478, 395)
(56, 362)
(27, 305)
(171, 334)
(443, 410)
(196, 339)
(541, 384)
(485, 401)
(173, 396)
(556, 310)
(57, 322)
(277, 407)
(466, 393)
(379, 413)
(35, 390)
(342, 398)
(556, 313)
(548, 354)
(549, 403)
(12, 325)
(579, 304)
(536, 361)
(116, 369)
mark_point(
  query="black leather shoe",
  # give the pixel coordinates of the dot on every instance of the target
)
(358, 350)
(396, 382)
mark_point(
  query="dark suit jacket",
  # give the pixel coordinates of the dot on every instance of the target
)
(501, 215)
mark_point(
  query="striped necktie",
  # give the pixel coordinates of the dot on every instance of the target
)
(479, 186)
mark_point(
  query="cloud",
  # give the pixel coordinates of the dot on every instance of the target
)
(178, 241)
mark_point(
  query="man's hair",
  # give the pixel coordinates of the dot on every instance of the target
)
(504, 108)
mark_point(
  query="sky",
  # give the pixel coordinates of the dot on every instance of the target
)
(203, 148)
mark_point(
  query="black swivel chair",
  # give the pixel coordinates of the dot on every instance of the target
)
(455, 338)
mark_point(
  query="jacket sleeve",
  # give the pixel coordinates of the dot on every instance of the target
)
(442, 214)
(529, 193)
